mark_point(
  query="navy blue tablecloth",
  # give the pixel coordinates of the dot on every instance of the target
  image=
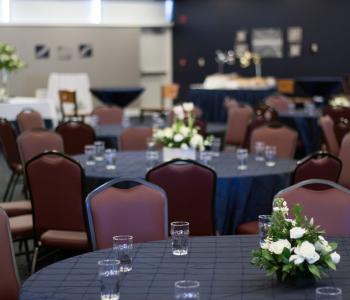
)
(240, 195)
(211, 102)
(117, 96)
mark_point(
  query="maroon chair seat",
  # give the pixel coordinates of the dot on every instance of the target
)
(17, 208)
(248, 228)
(190, 188)
(21, 226)
(29, 119)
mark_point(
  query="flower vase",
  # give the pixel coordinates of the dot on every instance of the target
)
(172, 153)
(299, 280)
(4, 85)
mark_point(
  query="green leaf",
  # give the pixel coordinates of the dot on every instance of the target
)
(314, 270)
(331, 264)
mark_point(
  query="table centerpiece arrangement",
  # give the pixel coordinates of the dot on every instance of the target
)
(295, 249)
(340, 101)
(9, 62)
(182, 138)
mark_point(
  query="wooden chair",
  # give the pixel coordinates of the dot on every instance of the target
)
(68, 97)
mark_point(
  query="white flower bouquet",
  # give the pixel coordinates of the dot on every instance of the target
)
(294, 247)
(183, 133)
(9, 61)
(340, 101)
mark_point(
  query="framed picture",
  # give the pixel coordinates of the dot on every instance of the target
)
(294, 50)
(295, 34)
(268, 42)
(41, 51)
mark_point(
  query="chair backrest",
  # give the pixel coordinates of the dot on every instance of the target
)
(108, 115)
(9, 283)
(33, 142)
(341, 128)
(284, 138)
(330, 207)
(327, 126)
(29, 119)
(134, 138)
(279, 102)
(55, 183)
(344, 156)
(170, 91)
(75, 136)
(337, 113)
(140, 210)
(190, 188)
(266, 113)
(318, 165)
(237, 125)
(9, 144)
(68, 97)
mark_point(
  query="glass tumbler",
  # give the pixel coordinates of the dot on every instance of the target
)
(111, 159)
(264, 223)
(187, 289)
(270, 155)
(179, 237)
(328, 293)
(100, 150)
(89, 151)
(108, 273)
(215, 147)
(122, 245)
(205, 157)
(259, 151)
(152, 159)
(242, 157)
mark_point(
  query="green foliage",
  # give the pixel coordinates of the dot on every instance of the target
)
(8, 59)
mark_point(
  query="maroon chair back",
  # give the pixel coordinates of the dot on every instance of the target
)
(284, 138)
(265, 112)
(327, 125)
(341, 128)
(319, 165)
(9, 283)
(9, 145)
(55, 183)
(33, 142)
(190, 188)
(330, 207)
(337, 113)
(345, 158)
(134, 138)
(279, 102)
(29, 119)
(140, 211)
(75, 136)
(108, 115)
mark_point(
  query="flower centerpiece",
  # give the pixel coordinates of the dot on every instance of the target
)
(340, 101)
(295, 249)
(9, 62)
(182, 138)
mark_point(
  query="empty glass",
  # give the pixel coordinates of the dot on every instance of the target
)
(152, 159)
(89, 151)
(328, 293)
(215, 147)
(94, 120)
(122, 245)
(270, 155)
(187, 289)
(205, 157)
(111, 159)
(259, 151)
(126, 121)
(99, 150)
(108, 274)
(151, 143)
(264, 223)
(242, 156)
(179, 236)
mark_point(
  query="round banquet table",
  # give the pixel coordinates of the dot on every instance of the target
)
(240, 195)
(220, 264)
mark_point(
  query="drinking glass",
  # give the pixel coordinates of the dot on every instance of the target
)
(111, 159)
(125, 121)
(242, 156)
(152, 158)
(270, 155)
(291, 107)
(122, 245)
(187, 289)
(151, 143)
(108, 273)
(264, 223)
(179, 236)
(100, 150)
(94, 120)
(215, 147)
(89, 151)
(205, 157)
(259, 151)
(328, 293)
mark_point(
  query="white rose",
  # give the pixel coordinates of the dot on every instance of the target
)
(188, 106)
(184, 130)
(322, 245)
(278, 246)
(196, 141)
(178, 137)
(308, 252)
(184, 146)
(297, 233)
(159, 134)
(335, 257)
(179, 112)
(168, 133)
(284, 210)
(297, 259)
(291, 221)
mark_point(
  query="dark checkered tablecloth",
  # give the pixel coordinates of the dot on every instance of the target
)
(221, 264)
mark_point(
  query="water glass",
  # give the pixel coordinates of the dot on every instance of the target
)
(122, 245)
(99, 150)
(152, 158)
(270, 155)
(309, 108)
(187, 289)
(205, 157)
(264, 223)
(328, 293)
(151, 143)
(125, 121)
(215, 147)
(89, 151)
(111, 159)
(242, 156)
(179, 237)
(94, 120)
(259, 151)
(108, 274)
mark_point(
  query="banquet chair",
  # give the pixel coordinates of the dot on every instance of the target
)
(139, 210)
(11, 154)
(337, 113)
(56, 186)
(75, 136)
(134, 138)
(345, 158)
(341, 128)
(279, 102)
(327, 126)
(190, 188)
(318, 165)
(9, 283)
(265, 112)
(108, 115)
(29, 119)
(33, 142)
(237, 125)
(275, 134)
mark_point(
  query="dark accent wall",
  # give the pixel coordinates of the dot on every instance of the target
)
(202, 26)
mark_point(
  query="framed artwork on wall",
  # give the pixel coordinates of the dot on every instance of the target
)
(268, 42)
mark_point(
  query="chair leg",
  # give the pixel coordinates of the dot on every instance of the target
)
(26, 248)
(13, 187)
(25, 189)
(8, 187)
(35, 258)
